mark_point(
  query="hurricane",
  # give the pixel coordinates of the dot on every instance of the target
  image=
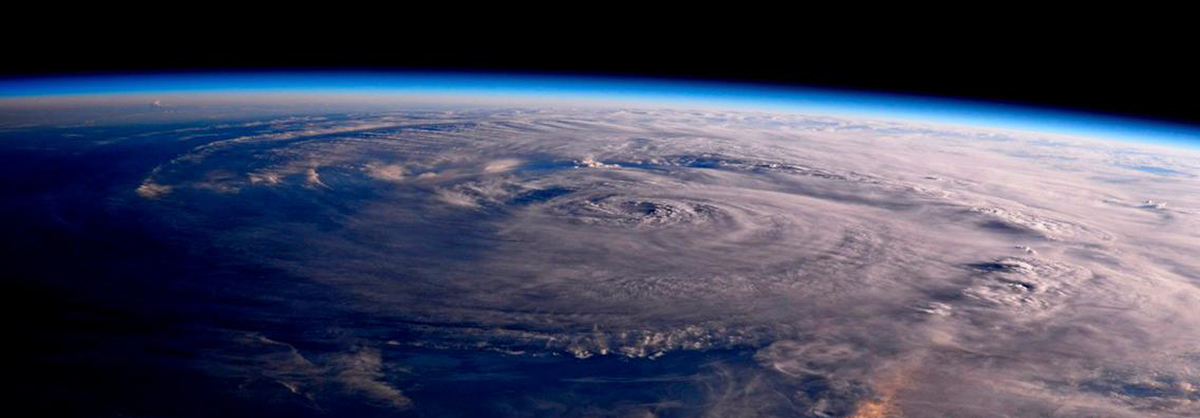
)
(538, 260)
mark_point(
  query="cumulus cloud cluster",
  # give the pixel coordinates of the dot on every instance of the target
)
(911, 270)
(311, 382)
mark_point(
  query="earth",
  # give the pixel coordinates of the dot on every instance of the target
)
(628, 261)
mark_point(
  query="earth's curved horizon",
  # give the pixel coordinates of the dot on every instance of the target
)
(552, 250)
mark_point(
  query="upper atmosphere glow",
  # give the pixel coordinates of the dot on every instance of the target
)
(621, 89)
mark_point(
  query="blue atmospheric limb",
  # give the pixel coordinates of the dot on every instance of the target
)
(682, 92)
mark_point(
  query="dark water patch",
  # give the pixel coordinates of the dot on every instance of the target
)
(1153, 389)
(113, 302)
(1005, 228)
(540, 195)
(535, 166)
(440, 127)
(998, 267)
(718, 162)
(1157, 170)
(483, 383)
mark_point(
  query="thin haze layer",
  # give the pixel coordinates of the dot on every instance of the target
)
(358, 88)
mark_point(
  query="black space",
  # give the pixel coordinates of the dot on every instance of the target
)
(1146, 71)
